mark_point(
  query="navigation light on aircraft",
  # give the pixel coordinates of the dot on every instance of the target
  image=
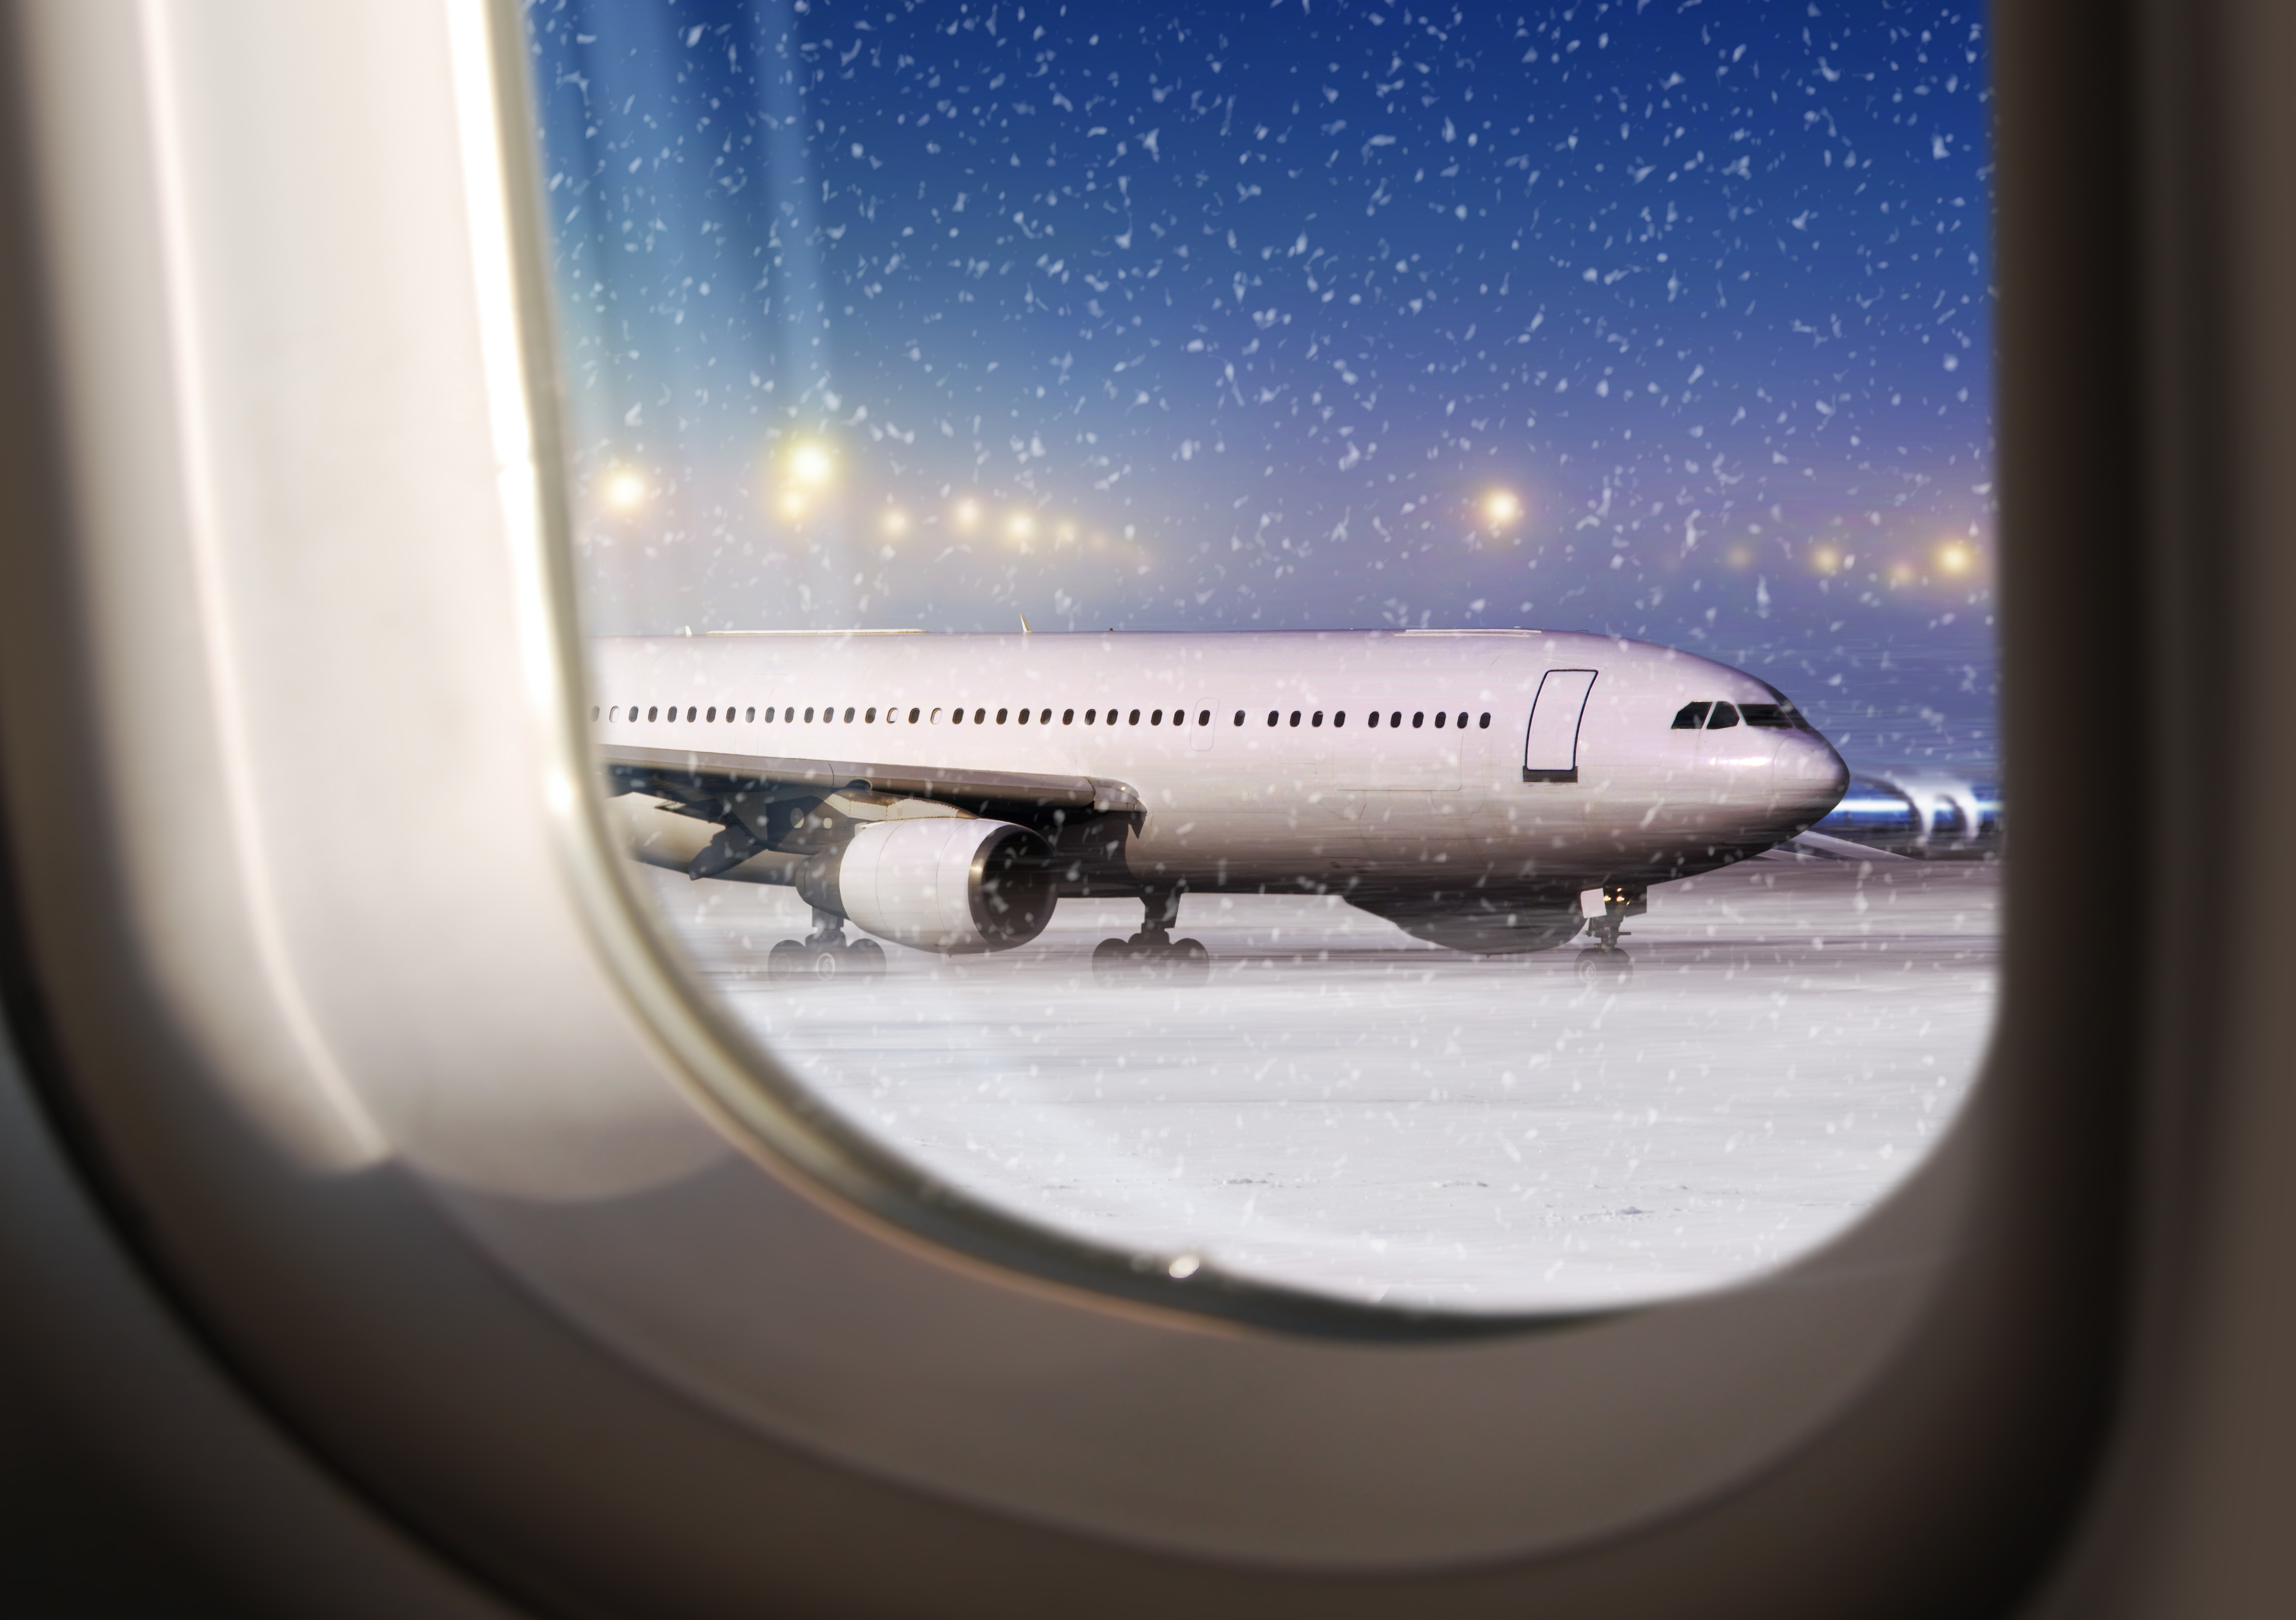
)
(1956, 557)
(1502, 509)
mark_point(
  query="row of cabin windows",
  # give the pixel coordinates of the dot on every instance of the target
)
(1715, 716)
(1092, 716)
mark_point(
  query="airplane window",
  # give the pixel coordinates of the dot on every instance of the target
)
(1675, 414)
(1045, 717)
(1024, 717)
(869, 717)
(912, 717)
(849, 716)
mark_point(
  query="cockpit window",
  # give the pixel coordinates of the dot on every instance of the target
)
(1294, 363)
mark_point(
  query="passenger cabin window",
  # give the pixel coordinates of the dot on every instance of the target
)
(1581, 367)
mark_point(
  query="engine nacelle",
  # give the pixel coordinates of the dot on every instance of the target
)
(954, 884)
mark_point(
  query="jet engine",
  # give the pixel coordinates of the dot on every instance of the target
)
(945, 883)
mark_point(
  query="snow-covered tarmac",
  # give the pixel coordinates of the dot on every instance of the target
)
(1343, 1108)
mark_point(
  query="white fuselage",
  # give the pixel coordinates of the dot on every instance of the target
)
(1317, 798)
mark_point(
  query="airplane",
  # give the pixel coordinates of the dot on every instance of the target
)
(1920, 814)
(1489, 790)
(251, 1370)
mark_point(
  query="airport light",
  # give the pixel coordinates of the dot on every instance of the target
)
(625, 489)
(896, 521)
(811, 465)
(1502, 510)
(1827, 560)
(1956, 557)
(967, 514)
(1020, 525)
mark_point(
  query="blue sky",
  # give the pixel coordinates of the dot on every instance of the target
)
(1244, 315)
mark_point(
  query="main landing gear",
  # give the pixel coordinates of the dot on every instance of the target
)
(1152, 952)
(825, 956)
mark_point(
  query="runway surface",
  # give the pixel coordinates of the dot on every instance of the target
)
(1342, 1109)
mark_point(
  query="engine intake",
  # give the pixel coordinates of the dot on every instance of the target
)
(949, 883)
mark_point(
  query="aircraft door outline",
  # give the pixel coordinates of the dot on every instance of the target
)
(1550, 742)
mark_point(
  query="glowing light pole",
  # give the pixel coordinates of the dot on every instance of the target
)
(624, 490)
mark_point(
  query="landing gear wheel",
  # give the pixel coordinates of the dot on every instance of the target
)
(827, 964)
(1190, 963)
(864, 958)
(788, 961)
(1607, 969)
(1111, 960)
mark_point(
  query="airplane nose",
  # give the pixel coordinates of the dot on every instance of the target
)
(1809, 774)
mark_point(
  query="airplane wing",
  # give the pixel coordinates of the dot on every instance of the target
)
(689, 776)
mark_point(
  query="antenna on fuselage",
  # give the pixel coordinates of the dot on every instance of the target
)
(1025, 630)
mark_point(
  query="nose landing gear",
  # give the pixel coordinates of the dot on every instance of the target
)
(1606, 963)
(825, 956)
(1152, 952)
